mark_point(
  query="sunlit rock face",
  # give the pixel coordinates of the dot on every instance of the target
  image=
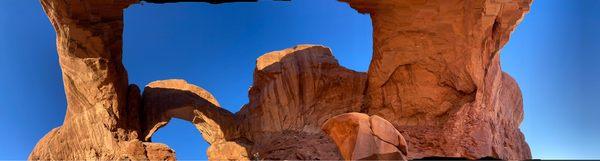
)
(166, 99)
(175, 98)
(99, 123)
(435, 76)
(363, 137)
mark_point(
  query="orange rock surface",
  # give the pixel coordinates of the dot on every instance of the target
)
(166, 99)
(294, 91)
(97, 124)
(435, 76)
(360, 137)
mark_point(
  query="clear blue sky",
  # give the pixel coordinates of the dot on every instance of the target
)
(554, 56)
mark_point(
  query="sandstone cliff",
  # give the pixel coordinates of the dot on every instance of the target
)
(435, 76)
(98, 120)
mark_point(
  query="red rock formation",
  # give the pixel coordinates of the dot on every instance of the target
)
(89, 48)
(163, 100)
(435, 75)
(298, 89)
(103, 112)
(360, 137)
(228, 150)
(294, 91)
(157, 151)
(176, 98)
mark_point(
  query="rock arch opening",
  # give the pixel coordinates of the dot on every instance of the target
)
(194, 146)
(434, 54)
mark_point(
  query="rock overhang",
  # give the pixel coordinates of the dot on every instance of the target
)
(87, 32)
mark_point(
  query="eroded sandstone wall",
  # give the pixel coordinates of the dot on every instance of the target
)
(435, 75)
(98, 124)
(293, 93)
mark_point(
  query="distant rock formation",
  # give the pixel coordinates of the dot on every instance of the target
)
(163, 100)
(435, 76)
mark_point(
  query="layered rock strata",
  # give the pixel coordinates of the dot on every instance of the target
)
(97, 124)
(360, 137)
(435, 75)
(294, 91)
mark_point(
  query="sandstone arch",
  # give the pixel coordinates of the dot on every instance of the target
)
(165, 99)
(435, 75)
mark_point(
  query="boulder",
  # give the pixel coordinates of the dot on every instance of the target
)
(360, 137)
(229, 150)
(158, 151)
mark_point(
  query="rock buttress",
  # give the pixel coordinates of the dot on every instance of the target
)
(435, 75)
(98, 123)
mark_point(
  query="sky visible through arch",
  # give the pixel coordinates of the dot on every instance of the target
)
(216, 47)
(553, 54)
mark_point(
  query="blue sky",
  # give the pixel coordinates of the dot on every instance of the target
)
(553, 55)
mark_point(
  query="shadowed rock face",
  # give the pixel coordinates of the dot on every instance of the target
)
(435, 75)
(298, 89)
(294, 91)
